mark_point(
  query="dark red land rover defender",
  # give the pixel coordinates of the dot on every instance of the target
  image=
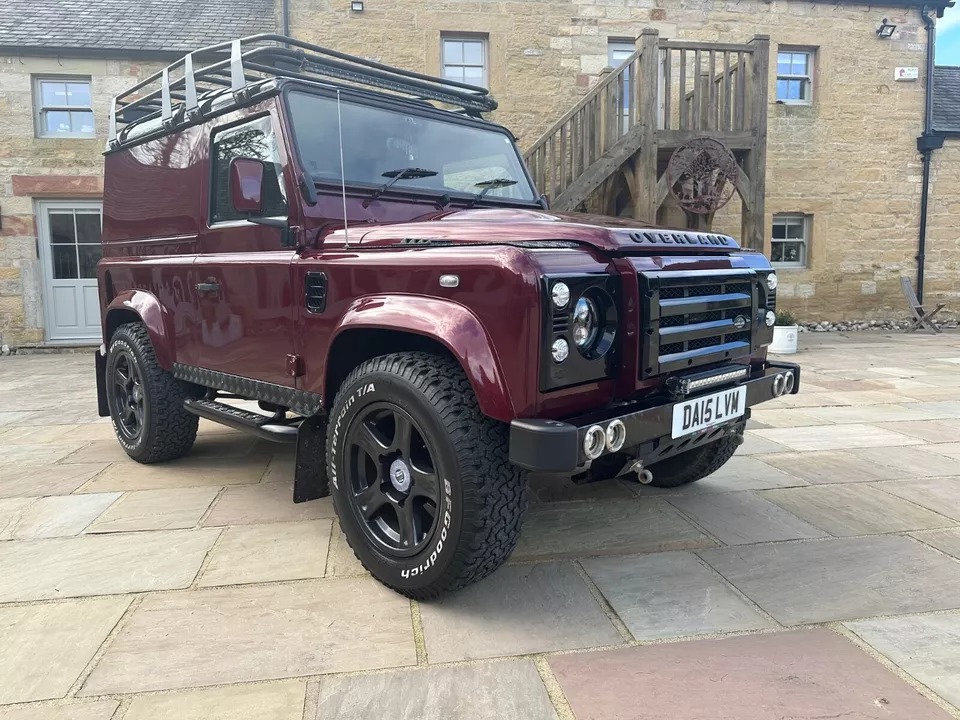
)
(354, 249)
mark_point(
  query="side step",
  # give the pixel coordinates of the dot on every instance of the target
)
(260, 425)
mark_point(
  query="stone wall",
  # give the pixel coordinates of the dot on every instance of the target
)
(850, 159)
(942, 270)
(34, 168)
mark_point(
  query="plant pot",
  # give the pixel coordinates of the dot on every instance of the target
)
(784, 339)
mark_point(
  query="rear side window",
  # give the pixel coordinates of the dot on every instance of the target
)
(254, 140)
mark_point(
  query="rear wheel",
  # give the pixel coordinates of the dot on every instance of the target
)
(696, 464)
(145, 401)
(420, 478)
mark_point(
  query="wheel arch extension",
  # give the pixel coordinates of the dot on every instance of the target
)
(387, 324)
(141, 306)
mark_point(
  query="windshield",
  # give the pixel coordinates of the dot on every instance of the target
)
(380, 143)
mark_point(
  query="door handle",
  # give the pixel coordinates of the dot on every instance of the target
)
(207, 287)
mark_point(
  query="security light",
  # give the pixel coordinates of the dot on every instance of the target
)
(885, 30)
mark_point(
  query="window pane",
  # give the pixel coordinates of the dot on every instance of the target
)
(781, 89)
(53, 92)
(64, 262)
(793, 90)
(795, 230)
(78, 94)
(81, 122)
(473, 75)
(790, 252)
(779, 230)
(88, 227)
(453, 73)
(799, 64)
(56, 122)
(783, 63)
(452, 51)
(804, 89)
(254, 141)
(61, 228)
(473, 53)
(89, 255)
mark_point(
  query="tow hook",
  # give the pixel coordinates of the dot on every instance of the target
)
(644, 476)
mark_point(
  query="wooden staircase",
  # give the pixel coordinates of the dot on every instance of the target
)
(610, 151)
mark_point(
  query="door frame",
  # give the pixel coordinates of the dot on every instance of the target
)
(41, 210)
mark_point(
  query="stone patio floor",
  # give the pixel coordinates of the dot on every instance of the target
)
(817, 575)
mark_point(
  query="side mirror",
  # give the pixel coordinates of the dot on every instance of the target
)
(544, 201)
(246, 185)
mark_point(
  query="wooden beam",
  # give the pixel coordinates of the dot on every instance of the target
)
(733, 140)
(607, 165)
(753, 222)
(645, 163)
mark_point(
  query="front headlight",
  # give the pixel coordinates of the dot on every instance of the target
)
(586, 323)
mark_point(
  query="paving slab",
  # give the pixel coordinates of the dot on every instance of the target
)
(521, 609)
(39, 454)
(281, 468)
(605, 527)
(101, 564)
(46, 647)
(947, 540)
(43, 480)
(789, 675)
(836, 437)
(126, 475)
(268, 553)
(742, 518)
(738, 473)
(925, 646)
(942, 495)
(845, 579)
(171, 509)
(855, 509)
(753, 445)
(56, 516)
(341, 560)
(267, 632)
(511, 689)
(267, 701)
(912, 462)
(932, 431)
(787, 417)
(871, 413)
(671, 595)
(97, 710)
(551, 489)
(57, 433)
(830, 466)
(11, 510)
(947, 449)
(942, 408)
(265, 503)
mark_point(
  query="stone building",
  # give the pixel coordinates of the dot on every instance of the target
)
(845, 108)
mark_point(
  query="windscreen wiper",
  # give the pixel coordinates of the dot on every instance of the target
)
(488, 185)
(410, 173)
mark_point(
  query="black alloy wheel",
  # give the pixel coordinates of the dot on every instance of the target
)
(393, 479)
(128, 396)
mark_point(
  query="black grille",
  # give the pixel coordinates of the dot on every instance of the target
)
(315, 292)
(696, 318)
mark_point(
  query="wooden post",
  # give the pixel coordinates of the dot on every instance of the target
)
(753, 229)
(645, 162)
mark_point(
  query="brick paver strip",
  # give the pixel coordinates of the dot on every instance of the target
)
(808, 674)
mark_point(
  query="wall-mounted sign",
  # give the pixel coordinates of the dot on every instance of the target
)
(906, 73)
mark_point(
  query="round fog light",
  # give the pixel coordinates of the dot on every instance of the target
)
(770, 318)
(772, 281)
(560, 295)
(778, 383)
(560, 349)
(616, 435)
(593, 442)
(788, 381)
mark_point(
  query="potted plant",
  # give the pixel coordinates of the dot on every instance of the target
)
(785, 331)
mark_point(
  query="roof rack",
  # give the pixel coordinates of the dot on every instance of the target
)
(180, 92)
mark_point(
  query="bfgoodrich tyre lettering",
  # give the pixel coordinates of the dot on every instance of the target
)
(429, 450)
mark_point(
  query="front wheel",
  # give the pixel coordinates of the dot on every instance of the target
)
(420, 478)
(696, 464)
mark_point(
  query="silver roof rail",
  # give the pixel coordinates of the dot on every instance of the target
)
(241, 66)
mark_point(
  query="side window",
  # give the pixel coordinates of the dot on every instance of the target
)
(254, 140)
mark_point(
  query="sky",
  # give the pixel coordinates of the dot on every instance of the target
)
(948, 37)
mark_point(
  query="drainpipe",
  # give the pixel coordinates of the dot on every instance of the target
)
(926, 144)
(285, 17)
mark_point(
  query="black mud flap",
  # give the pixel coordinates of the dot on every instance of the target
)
(310, 477)
(101, 364)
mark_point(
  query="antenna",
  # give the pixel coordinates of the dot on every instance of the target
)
(343, 179)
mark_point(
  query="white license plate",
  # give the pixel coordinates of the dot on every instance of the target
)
(704, 412)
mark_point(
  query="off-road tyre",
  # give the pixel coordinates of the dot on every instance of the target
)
(481, 506)
(167, 431)
(696, 464)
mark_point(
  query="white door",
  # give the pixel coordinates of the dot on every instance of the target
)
(617, 53)
(69, 251)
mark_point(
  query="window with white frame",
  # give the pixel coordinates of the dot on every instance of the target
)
(64, 107)
(464, 59)
(790, 240)
(795, 77)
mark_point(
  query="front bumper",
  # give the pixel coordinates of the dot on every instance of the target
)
(553, 446)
